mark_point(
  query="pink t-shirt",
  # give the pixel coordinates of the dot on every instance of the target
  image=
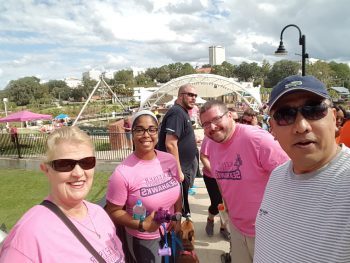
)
(242, 167)
(40, 236)
(205, 150)
(155, 182)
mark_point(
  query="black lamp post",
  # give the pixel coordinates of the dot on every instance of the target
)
(282, 51)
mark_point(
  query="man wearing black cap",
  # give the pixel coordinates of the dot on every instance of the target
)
(305, 213)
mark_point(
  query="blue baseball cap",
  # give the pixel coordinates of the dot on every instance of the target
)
(297, 83)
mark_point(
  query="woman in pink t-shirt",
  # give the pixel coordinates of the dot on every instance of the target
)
(150, 176)
(40, 235)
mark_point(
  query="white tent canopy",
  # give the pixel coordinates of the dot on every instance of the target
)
(207, 86)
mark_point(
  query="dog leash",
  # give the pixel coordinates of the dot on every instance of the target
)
(175, 241)
(166, 256)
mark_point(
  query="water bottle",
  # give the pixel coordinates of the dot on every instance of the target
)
(139, 211)
(224, 216)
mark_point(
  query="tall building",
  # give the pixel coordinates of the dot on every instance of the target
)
(109, 74)
(92, 74)
(216, 55)
(72, 82)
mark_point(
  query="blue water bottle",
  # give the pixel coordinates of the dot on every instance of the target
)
(139, 211)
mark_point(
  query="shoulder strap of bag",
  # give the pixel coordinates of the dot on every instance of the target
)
(73, 228)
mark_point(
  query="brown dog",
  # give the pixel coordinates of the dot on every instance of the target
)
(188, 255)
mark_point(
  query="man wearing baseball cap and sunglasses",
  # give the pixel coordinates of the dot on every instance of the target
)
(305, 213)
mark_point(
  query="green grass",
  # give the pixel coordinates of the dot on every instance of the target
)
(20, 190)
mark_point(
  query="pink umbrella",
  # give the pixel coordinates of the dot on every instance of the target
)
(25, 116)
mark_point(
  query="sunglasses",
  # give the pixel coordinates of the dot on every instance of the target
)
(67, 165)
(312, 111)
(189, 94)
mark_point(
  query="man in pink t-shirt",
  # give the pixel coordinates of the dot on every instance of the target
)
(242, 158)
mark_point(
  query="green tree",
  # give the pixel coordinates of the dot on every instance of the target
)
(123, 91)
(58, 89)
(174, 70)
(178, 70)
(83, 91)
(143, 79)
(25, 90)
(229, 69)
(247, 71)
(264, 71)
(342, 73)
(152, 73)
(282, 69)
(78, 93)
(186, 69)
(322, 71)
(218, 70)
(163, 75)
(125, 77)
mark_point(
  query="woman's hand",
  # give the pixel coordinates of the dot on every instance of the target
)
(149, 224)
(181, 176)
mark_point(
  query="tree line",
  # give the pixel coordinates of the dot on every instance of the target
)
(29, 91)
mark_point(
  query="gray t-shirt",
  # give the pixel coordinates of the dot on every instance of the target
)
(306, 218)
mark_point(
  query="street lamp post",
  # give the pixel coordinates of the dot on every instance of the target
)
(282, 51)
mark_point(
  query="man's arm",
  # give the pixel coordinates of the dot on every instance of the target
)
(171, 147)
(205, 161)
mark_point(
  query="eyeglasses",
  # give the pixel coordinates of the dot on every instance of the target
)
(189, 94)
(67, 165)
(139, 131)
(312, 111)
(215, 121)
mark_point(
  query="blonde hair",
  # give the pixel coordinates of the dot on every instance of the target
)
(71, 134)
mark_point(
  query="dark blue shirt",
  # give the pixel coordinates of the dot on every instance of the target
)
(177, 122)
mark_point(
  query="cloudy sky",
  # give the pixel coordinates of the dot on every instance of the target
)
(54, 39)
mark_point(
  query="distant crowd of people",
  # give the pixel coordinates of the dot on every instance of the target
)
(283, 175)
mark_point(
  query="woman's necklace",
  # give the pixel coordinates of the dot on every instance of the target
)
(92, 223)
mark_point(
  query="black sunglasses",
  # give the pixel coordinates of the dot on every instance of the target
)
(189, 94)
(312, 111)
(67, 165)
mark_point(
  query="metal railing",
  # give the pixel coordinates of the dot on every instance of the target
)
(108, 146)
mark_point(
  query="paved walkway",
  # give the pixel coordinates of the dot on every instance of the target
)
(208, 249)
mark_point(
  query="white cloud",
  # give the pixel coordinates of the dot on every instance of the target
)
(113, 60)
(56, 39)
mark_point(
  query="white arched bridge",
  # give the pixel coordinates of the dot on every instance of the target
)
(207, 86)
